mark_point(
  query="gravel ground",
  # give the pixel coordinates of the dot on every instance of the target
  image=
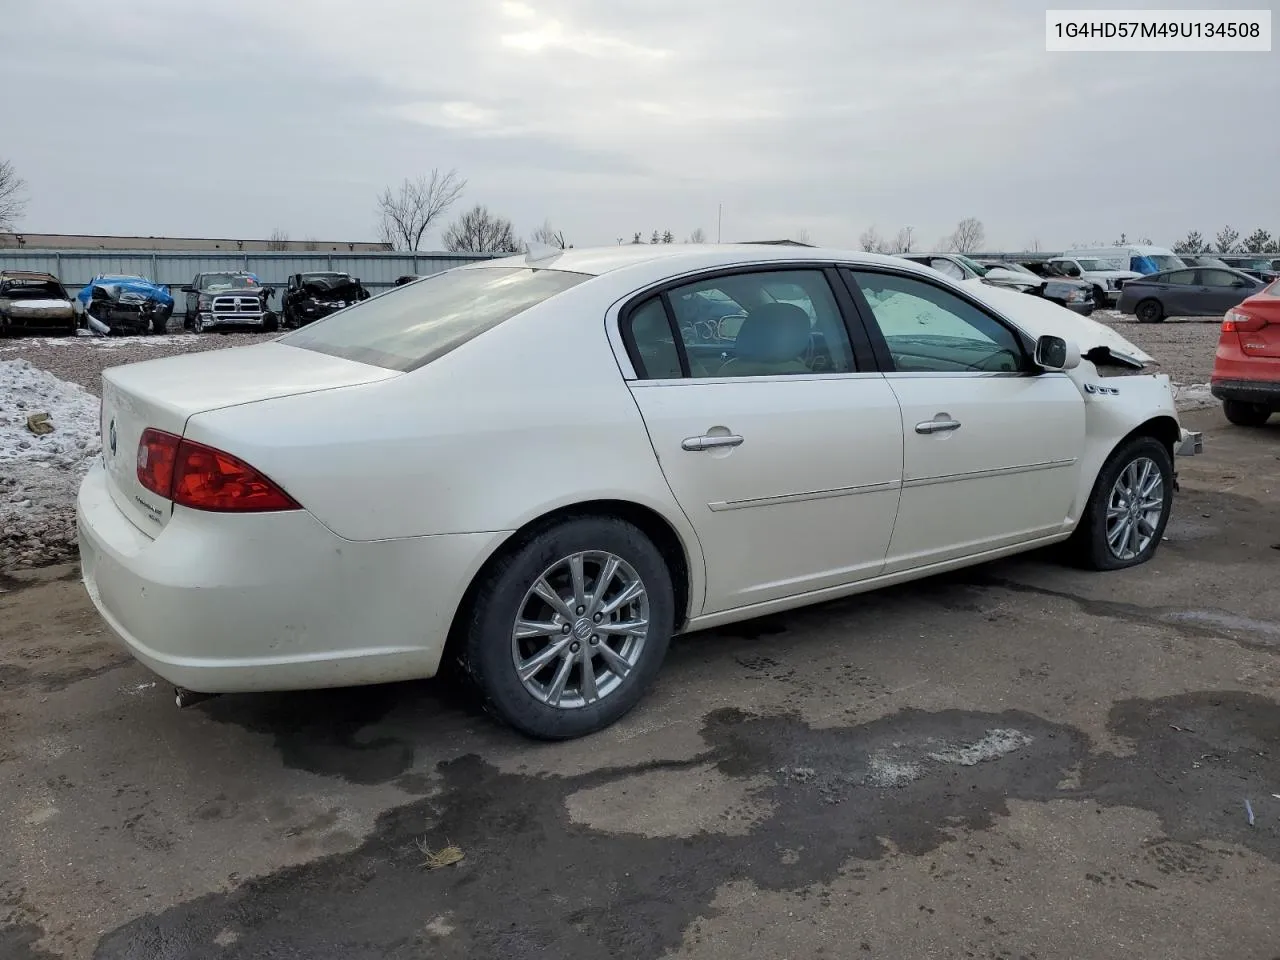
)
(82, 359)
(1184, 346)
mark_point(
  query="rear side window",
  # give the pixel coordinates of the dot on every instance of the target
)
(411, 325)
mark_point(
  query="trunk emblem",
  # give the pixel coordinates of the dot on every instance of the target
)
(111, 437)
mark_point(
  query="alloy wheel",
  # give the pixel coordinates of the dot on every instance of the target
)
(1134, 508)
(580, 629)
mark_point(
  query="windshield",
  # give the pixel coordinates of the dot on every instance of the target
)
(1156, 263)
(31, 288)
(411, 325)
(1251, 263)
(1015, 267)
(973, 265)
(1091, 264)
(228, 281)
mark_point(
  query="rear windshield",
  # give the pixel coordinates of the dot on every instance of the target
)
(32, 289)
(411, 325)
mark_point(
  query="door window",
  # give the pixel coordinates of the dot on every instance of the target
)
(1179, 278)
(760, 324)
(1217, 278)
(949, 267)
(931, 330)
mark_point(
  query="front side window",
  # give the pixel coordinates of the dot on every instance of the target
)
(951, 269)
(1218, 278)
(411, 325)
(931, 330)
(760, 324)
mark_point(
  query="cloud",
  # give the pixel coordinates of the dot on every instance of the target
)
(828, 115)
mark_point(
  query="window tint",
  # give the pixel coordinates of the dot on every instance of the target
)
(762, 324)
(932, 330)
(411, 325)
(1181, 278)
(1217, 278)
(655, 354)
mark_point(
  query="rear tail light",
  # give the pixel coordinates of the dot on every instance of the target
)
(203, 478)
(1237, 321)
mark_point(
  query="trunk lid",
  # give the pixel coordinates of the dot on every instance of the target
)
(165, 393)
(1264, 306)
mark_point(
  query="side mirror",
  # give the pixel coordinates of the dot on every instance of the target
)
(188, 289)
(1054, 353)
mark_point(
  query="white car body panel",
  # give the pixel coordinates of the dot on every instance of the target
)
(411, 482)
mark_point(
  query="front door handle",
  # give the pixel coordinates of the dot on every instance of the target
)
(937, 426)
(707, 442)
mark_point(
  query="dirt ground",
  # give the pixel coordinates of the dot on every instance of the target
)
(1020, 760)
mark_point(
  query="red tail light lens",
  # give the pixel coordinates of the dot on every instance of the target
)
(203, 478)
(157, 453)
(1237, 321)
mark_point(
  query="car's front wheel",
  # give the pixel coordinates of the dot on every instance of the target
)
(1149, 311)
(1127, 512)
(568, 629)
(1245, 414)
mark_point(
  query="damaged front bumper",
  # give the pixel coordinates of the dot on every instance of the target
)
(1190, 443)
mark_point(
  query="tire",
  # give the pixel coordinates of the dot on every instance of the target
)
(1149, 311)
(505, 594)
(1090, 544)
(1099, 298)
(197, 325)
(1244, 414)
(270, 323)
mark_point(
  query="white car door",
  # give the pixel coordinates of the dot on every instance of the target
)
(991, 448)
(785, 457)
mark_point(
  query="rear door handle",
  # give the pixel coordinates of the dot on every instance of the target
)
(937, 426)
(705, 442)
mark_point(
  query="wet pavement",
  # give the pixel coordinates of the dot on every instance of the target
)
(1017, 760)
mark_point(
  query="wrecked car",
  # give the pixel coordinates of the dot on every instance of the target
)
(311, 296)
(228, 299)
(34, 301)
(123, 305)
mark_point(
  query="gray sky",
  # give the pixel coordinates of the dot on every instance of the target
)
(232, 118)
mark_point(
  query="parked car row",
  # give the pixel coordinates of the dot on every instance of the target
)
(1246, 367)
(1075, 295)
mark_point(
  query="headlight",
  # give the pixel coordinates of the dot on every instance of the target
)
(1075, 296)
(204, 302)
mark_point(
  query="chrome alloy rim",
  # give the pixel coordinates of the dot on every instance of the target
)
(580, 629)
(1134, 509)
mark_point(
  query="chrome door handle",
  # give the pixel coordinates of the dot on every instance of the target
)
(937, 426)
(695, 444)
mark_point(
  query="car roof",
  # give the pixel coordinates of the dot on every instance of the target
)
(677, 258)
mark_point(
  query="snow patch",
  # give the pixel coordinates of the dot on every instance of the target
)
(886, 772)
(40, 474)
(993, 746)
(1193, 396)
(85, 338)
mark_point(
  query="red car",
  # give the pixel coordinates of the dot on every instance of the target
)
(1246, 368)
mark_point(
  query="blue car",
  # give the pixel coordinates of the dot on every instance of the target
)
(122, 304)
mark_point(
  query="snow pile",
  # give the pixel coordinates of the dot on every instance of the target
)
(87, 339)
(39, 475)
(1193, 396)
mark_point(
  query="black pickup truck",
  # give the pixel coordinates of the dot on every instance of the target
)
(311, 296)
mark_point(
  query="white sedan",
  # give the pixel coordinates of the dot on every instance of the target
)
(545, 468)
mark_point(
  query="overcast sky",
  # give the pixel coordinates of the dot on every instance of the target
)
(234, 117)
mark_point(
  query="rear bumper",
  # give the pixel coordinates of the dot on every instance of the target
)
(1264, 392)
(219, 603)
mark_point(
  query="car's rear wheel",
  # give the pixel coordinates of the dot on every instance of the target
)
(568, 629)
(1149, 311)
(1129, 507)
(1099, 298)
(1245, 414)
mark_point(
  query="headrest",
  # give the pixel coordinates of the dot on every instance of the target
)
(773, 333)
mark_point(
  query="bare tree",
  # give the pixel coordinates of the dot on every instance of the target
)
(311, 243)
(1034, 245)
(479, 231)
(870, 241)
(13, 197)
(802, 235)
(1226, 239)
(903, 240)
(278, 240)
(636, 239)
(697, 236)
(968, 235)
(406, 214)
(548, 235)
